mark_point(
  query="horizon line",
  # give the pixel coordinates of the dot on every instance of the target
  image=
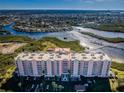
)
(64, 9)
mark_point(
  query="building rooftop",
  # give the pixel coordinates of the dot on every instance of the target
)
(63, 55)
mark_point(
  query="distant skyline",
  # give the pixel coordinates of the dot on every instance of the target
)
(63, 4)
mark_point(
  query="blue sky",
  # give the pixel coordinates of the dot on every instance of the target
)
(63, 4)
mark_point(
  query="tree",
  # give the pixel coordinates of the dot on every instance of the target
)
(60, 88)
(19, 84)
(54, 85)
(116, 73)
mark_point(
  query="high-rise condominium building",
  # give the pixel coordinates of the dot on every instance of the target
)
(62, 62)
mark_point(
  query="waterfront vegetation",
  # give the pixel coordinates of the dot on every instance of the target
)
(21, 39)
(42, 44)
(110, 27)
(111, 40)
(51, 42)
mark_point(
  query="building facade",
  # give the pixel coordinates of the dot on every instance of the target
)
(63, 62)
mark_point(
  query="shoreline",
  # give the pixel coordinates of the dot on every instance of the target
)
(111, 40)
(104, 30)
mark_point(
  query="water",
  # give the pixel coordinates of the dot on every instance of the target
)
(113, 50)
(38, 35)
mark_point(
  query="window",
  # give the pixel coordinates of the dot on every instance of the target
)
(100, 66)
(79, 67)
(97, 68)
(57, 67)
(65, 66)
(52, 63)
(71, 66)
(107, 68)
(39, 68)
(27, 66)
(85, 68)
(94, 71)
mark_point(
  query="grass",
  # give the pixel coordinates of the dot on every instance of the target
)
(7, 67)
(15, 39)
(73, 45)
(48, 45)
(42, 44)
(113, 27)
(7, 75)
(109, 27)
(50, 42)
(111, 40)
(120, 74)
(118, 66)
(117, 84)
(5, 61)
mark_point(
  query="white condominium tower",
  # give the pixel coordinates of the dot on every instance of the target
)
(61, 62)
